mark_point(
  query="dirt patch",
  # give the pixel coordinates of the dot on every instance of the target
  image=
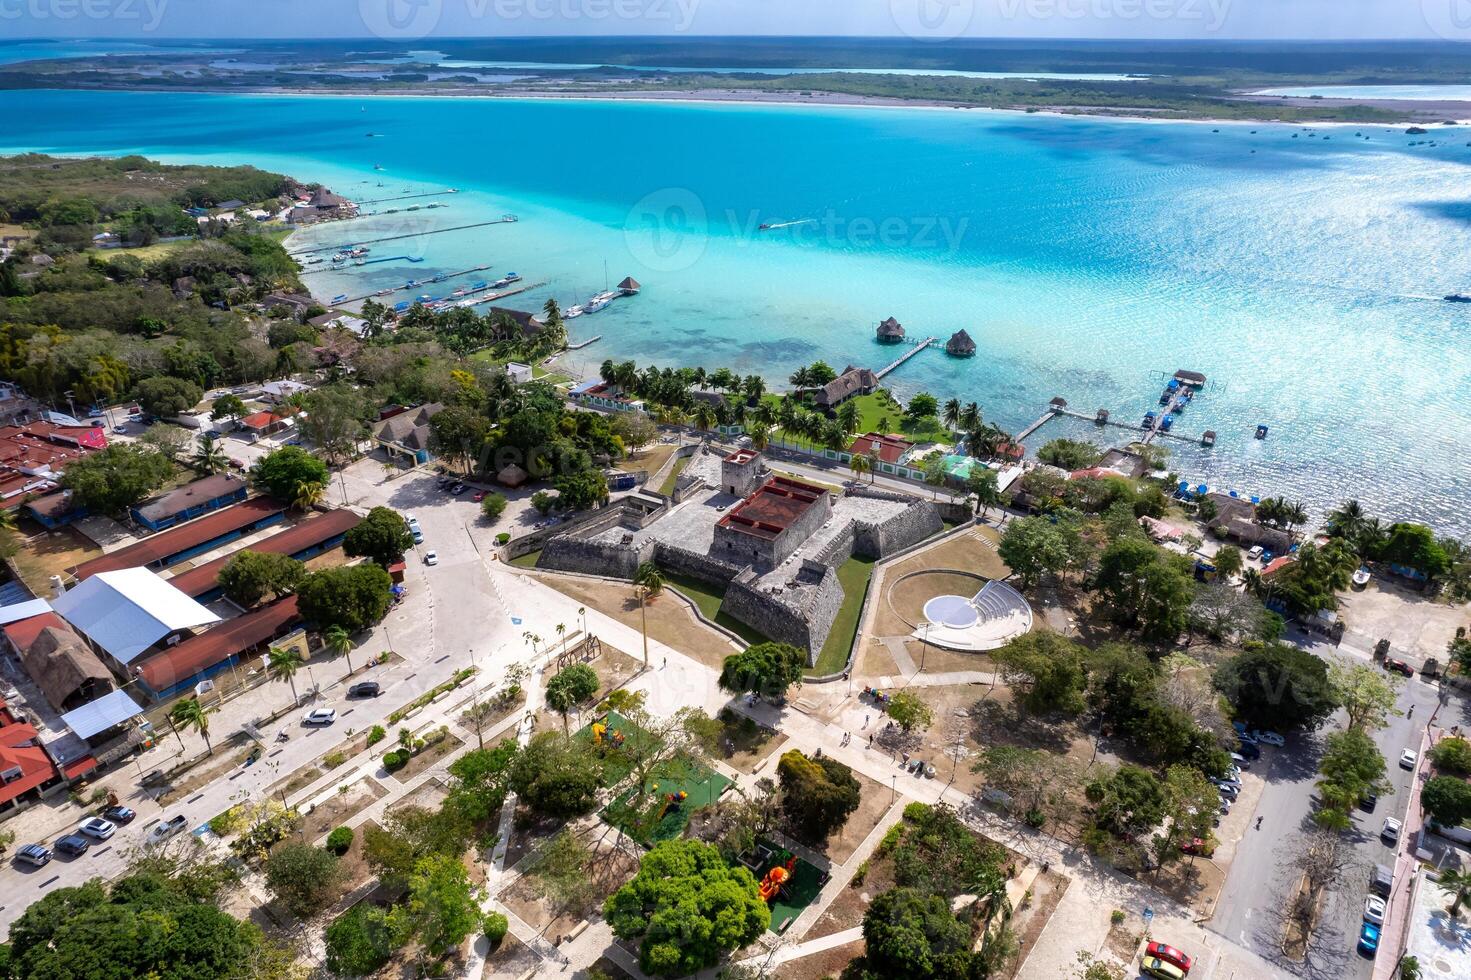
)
(1123, 942)
(874, 659)
(670, 621)
(873, 801)
(828, 963)
(354, 865)
(510, 959)
(298, 780)
(429, 757)
(1028, 922)
(206, 772)
(528, 831)
(608, 967)
(609, 868)
(846, 909)
(745, 745)
(49, 553)
(909, 592)
(614, 669)
(428, 796)
(340, 807)
(967, 552)
(651, 459)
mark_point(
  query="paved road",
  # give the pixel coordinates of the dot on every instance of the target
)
(1248, 910)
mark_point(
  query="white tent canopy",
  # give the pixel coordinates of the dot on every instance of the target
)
(100, 715)
(129, 610)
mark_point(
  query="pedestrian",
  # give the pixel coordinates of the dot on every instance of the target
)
(1411, 712)
(865, 721)
(870, 741)
(1258, 823)
(666, 660)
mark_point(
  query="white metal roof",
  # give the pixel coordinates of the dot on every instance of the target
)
(129, 610)
(23, 610)
(100, 715)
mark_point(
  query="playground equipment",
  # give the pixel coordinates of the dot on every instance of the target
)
(600, 732)
(671, 801)
(879, 697)
(775, 879)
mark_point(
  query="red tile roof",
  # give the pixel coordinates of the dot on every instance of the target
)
(20, 749)
(890, 448)
(308, 534)
(189, 535)
(775, 506)
(23, 633)
(260, 420)
(1276, 565)
(204, 651)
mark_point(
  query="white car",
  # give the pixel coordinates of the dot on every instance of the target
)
(320, 716)
(1408, 758)
(1374, 910)
(1255, 554)
(97, 828)
(1391, 829)
(431, 558)
(167, 828)
(1270, 738)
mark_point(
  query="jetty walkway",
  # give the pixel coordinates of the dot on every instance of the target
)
(394, 238)
(898, 361)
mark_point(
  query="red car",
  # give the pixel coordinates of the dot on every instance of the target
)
(1399, 667)
(479, 496)
(1194, 845)
(1169, 954)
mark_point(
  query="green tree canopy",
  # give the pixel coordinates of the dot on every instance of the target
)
(226, 407)
(282, 472)
(911, 933)
(1447, 799)
(764, 668)
(165, 397)
(818, 795)
(1146, 586)
(558, 775)
(304, 878)
(1452, 755)
(353, 597)
(1350, 769)
(1277, 686)
(1127, 802)
(688, 907)
(570, 687)
(249, 576)
(115, 478)
(1070, 454)
(1047, 670)
(1041, 545)
(381, 536)
(441, 908)
(360, 941)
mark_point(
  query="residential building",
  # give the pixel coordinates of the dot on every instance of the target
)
(190, 501)
(407, 433)
(189, 539)
(854, 381)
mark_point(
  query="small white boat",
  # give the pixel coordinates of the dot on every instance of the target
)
(572, 312)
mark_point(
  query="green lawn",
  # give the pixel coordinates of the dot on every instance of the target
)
(538, 373)
(656, 818)
(527, 560)
(667, 488)
(708, 598)
(854, 575)
(877, 413)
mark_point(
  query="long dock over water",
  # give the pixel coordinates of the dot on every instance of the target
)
(1178, 394)
(899, 361)
(506, 220)
(410, 197)
(418, 284)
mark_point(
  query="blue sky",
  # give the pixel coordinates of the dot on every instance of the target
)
(937, 20)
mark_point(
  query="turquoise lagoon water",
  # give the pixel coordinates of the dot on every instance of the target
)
(1087, 258)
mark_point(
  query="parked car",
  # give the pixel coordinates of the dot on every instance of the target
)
(1256, 552)
(365, 689)
(1153, 966)
(1375, 910)
(98, 828)
(1196, 845)
(121, 430)
(1408, 758)
(165, 829)
(1368, 802)
(1230, 790)
(1241, 761)
(458, 489)
(1381, 881)
(479, 496)
(1245, 739)
(73, 845)
(120, 814)
(418, 536)
(33, 854)
(1398, 667)
(320, 716)
(1369, 939)
(1250, 750)
(236, 464)
(1391, 829)
(431, 558)
(1269, 738)
(1169, 954)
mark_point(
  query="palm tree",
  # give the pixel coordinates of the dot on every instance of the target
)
(705, 417)
(754, 387)
(970, 417)
(339, 641)
(1346, 521)
(210, 457)
(1458, 883)
(648, 583)
(859, 464)
(7, 520)
(950, 414)
(1294, 513)
(760, 435)
(189, 713)
(285, 662)
(308, 493)
(561, 634)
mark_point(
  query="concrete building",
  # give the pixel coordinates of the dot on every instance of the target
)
(190, 501)
(189, 539)
(767, 526)
(305, 540)
(129, 613)
(177, 669)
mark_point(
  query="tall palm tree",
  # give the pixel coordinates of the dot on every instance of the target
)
(1458, 883)
(833, 435)
(648, 583)
(189, 713)
(859, 464)
(285, 662)
(970, 417)
(1294, 513)
(338, 640)
(1346, 521)
(760, 435)
(705, 416)
(210, 457)
(754, 386)
(308, 493)
(951, 413)
(561, 635)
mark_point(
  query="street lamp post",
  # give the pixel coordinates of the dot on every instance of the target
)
(924, 647)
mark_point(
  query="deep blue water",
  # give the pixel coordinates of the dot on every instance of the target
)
(1088, 258)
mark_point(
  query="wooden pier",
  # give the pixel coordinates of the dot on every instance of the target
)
(1046, 417)
(395, 238)
(407, 289)
(409, 197)
(897, 362)
(585, 343)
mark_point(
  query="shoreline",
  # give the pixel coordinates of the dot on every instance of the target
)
(1411, 113)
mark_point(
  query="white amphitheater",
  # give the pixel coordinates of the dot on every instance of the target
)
(989, 619)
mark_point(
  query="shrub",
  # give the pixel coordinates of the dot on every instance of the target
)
(1116, 917)
(376, 735)
(504, 538)
(860, 873)
(334, 759)
(394, 761)
(891, 840)
(493, 506)
(339, 840)
(496, 925)
(1452, 755)
(360, 941)
(916, 812)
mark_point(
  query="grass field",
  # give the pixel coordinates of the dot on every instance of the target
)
(708, 598)
(667, 487)
(656, 818)
(878, 412)
(854, 575)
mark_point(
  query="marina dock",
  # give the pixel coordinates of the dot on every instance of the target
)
(585, 343)
(504, 220)
(1179, 392)
(899, 361)
(410, 197)
(418, 285)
